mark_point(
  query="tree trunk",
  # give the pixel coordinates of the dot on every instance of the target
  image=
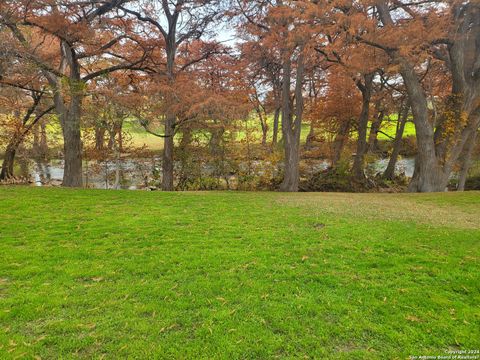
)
(291, 130)
(216, 140)
(72, 145)
(389, 173)
(118, 166)
(69, 114)
(171, 117)
(276, 118)
(292, 158)
(264, 126)
(186, 137)
(99, 137)
(167, 159)
(43, 141)
(116, 138)
(286, 126)
(311, 135)
(466, 161)
(359, 160)
(119, 130)
(339, 142)
(40, 145)
(428, 175)
(36, 141)
(111, 140)
(372, 145)
(434, 163)
(8, 161)
(72, 137)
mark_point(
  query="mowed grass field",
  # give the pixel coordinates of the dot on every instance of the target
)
(138, 138)
(146, 275)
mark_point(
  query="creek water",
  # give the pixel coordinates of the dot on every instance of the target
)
(140, 173)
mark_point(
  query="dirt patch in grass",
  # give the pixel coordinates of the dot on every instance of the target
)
(393, 207)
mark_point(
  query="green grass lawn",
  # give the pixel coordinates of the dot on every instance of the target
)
(139, 137)
(110, 274)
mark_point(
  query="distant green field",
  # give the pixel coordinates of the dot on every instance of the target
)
(144, 275)
(139, 138)
(390, 129)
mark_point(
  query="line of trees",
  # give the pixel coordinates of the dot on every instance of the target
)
(341, 66)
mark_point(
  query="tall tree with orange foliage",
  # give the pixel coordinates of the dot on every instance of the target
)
(22, 109)
(286, 28)
(171, 25)
(410, 33)
(71, 42)
(24, 101)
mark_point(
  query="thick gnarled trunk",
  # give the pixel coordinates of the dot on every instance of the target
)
(72, 142)
(291, 129)
(428, 175)
(292, 158)
(69, 112)
(72, 176)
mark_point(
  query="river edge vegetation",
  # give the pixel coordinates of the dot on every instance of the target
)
(238, 275)
(340, 69)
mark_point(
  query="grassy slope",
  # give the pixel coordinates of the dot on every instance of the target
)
(235, 275)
